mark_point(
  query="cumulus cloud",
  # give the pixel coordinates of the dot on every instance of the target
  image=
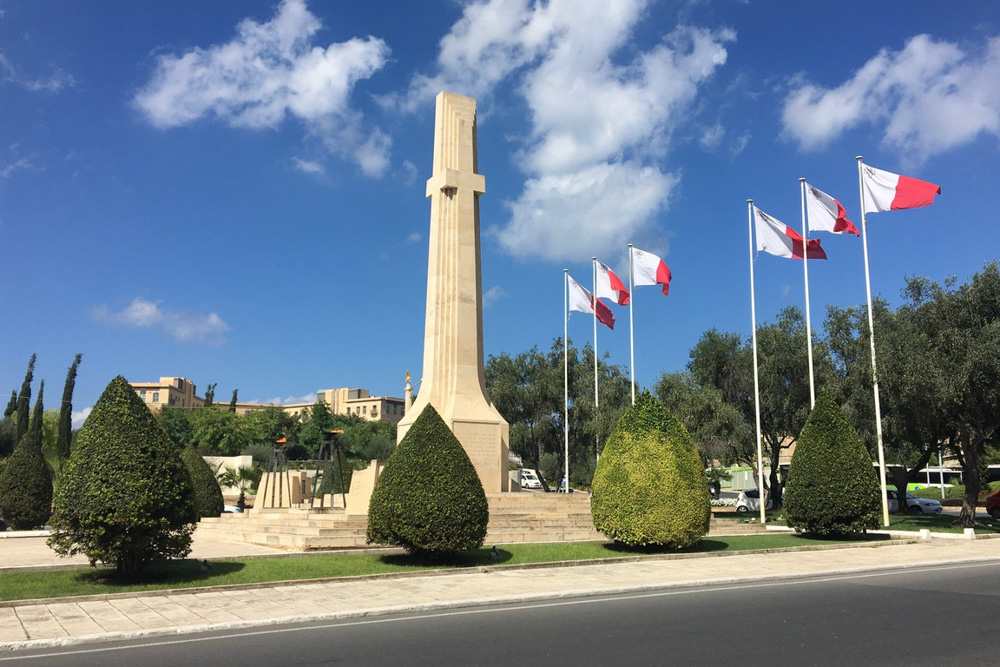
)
(308, 166)
(270, 71)
(928, 98)
(492, 295)
(80, 416)
(601, 114)
(182, 326)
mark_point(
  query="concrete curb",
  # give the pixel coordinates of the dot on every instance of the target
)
(459, 604)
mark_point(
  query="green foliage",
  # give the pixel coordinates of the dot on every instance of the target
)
(243, 479)
(25, 482)
(207, 494)
(65, 438)
(649, 487)
(11, 404)
(832, 487)
(232, 401)
(8, 436)
(125, 496)
(429, 497)
(24, 400)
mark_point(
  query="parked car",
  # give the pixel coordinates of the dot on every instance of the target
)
(914, 504)
(993, 505)
(749, 501)
(231, 509)
(529, 480)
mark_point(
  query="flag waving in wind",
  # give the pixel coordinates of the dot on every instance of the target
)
(885, 191)
(826, 213)
(581, 300)
(610, 286)
(648, 269)
(775, 237)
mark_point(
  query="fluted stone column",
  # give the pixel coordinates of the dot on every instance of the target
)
(453, 378)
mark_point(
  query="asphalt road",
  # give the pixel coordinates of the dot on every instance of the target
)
(927, 616)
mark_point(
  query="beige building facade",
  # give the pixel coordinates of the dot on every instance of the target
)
(177, 392)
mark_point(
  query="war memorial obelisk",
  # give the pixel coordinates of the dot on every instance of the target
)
(453, 378)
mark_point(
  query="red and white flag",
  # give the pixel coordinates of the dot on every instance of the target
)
(777, 238)
(581, 300)
(826, 214)
(648, 269)
(885, 191)
(610, 286)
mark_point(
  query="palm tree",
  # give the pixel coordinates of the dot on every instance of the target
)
(243, 478)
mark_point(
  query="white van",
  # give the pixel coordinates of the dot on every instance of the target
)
(529, 480)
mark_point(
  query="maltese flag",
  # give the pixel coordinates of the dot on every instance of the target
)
(581, 300)
(775, 237)
(610, 286)
(826, 214)
(885, 191)
(648, 269)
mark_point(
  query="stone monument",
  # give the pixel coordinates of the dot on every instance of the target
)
(453, 380)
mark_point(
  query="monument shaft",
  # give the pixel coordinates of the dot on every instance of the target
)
(453, 378)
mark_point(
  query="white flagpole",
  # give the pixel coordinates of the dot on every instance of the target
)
(631, 331)
(805, 271)
(566, 374)
(597, 438)
(756, 383)
(871, 334)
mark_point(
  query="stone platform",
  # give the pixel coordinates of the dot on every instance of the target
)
(514, 518)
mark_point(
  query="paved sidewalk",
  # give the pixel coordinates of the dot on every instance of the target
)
(34, 625)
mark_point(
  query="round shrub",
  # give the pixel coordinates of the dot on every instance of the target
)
(124, 497)
(650, 486)
(429, 497)
(832, 487)
(207, 493)
(26, 485)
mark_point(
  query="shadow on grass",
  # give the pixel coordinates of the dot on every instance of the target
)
(654, 549)
(170, 573)
(474, 558)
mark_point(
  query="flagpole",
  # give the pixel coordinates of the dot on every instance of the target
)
(756, 382)
(805, 271)
(597, 437)
(631, 331)
(566, 374)
(871, 336)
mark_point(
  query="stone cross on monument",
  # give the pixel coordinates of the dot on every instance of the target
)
(453, 378)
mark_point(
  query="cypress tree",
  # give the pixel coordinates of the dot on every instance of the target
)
(24, 399)
(25, 482)
(232, 403)
(66, 411)
(11, 405)
(210, 394)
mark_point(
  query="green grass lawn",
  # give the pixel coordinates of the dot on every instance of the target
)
(939, 523)
(187, 573)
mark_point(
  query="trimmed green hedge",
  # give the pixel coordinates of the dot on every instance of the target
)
(832, 487)
(124, 497)
(429, 497)
(207, 493)
(26, 485)
(650, 486)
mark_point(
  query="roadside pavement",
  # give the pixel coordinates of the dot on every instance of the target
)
(37, 624)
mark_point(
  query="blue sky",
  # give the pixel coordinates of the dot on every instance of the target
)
(233, 192)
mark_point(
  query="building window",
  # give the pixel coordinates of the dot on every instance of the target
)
(142, 395)
(156, 397)
(364, 409)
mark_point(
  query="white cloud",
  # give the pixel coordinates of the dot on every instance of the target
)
(601, 113)
(414, 237)
(931, 96)
(290, 400)
(712, 137)
(492, 295)
(308, 166)
(267, 72)
(52, 83)
(79, 416)
(182, 326)
(11, 167)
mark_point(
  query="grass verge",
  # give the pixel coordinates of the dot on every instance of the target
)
(188, 573)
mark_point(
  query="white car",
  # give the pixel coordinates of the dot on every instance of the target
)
(529, 480)
(914, 504)
(749, 501)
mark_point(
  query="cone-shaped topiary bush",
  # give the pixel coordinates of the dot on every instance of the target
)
(832, 487)
(649, 487)
(429, 497)
(207, 493)
(26, 485)
(124, 497)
